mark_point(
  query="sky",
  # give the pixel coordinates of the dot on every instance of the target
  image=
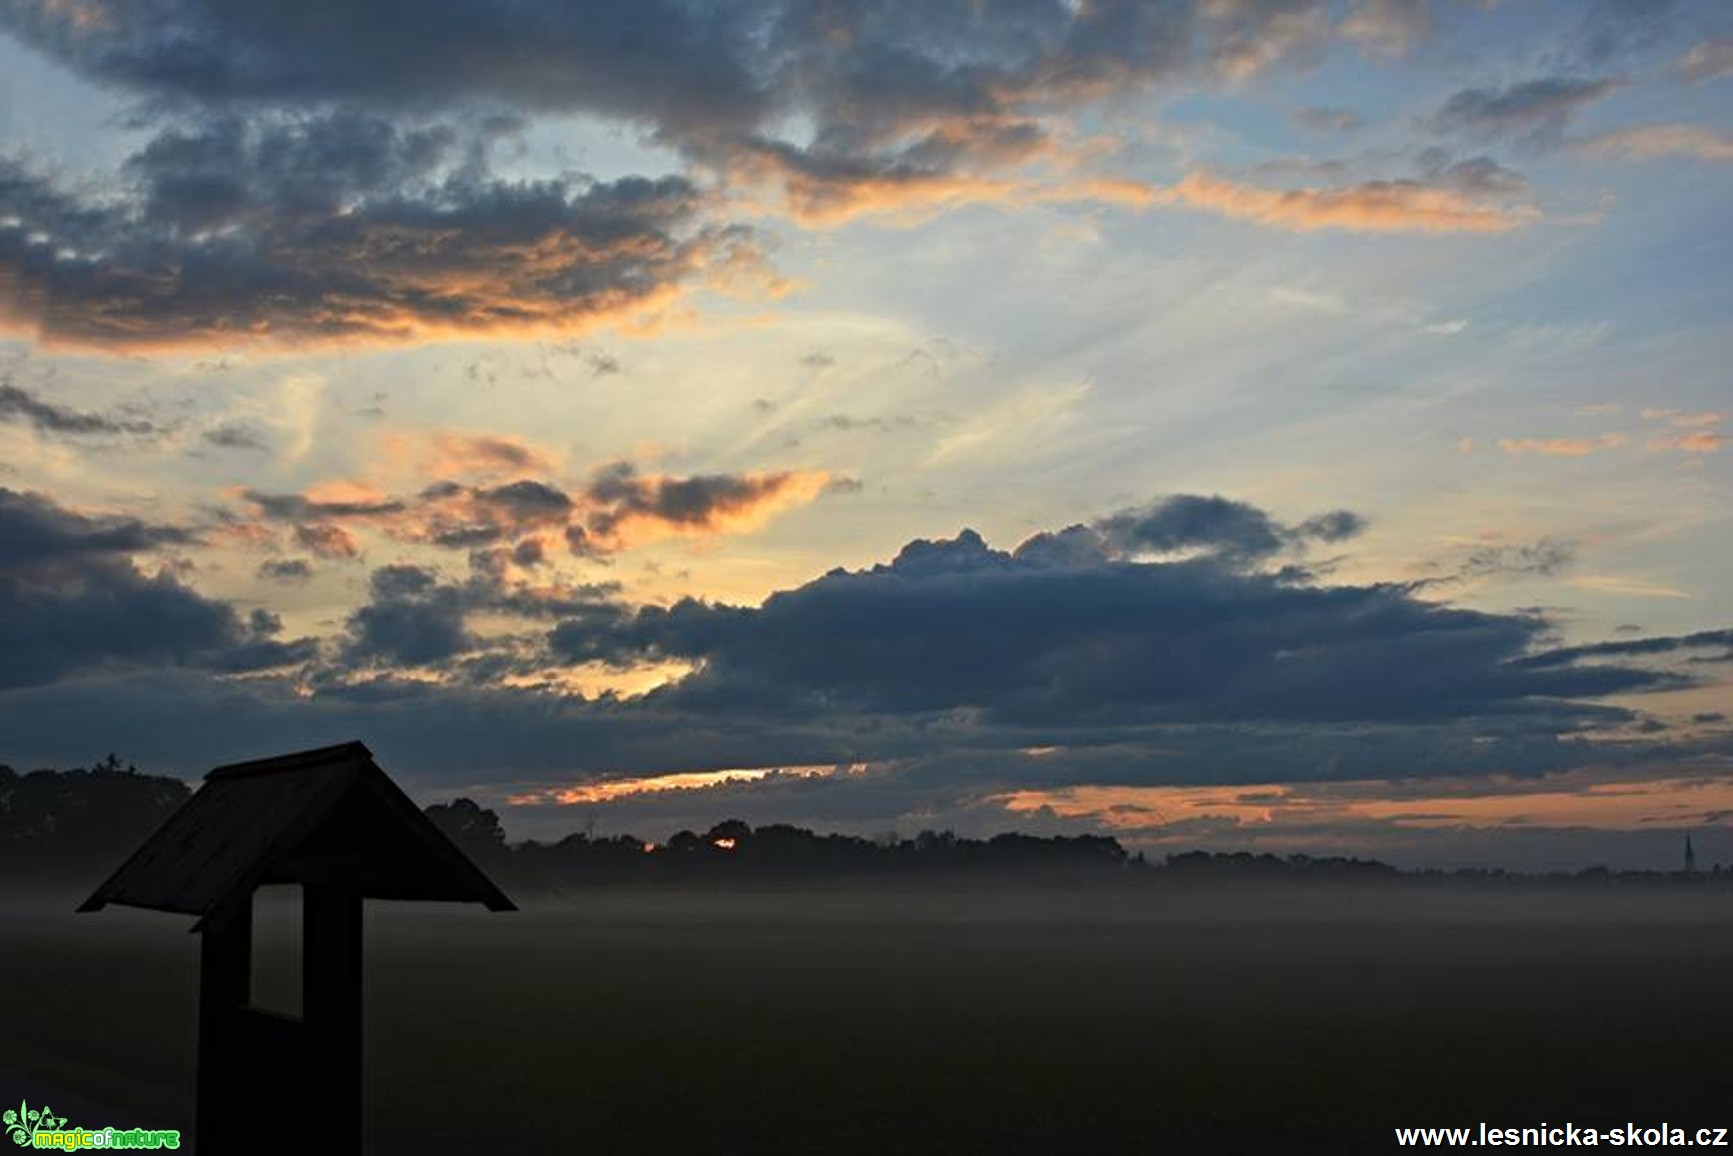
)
(1272, 425)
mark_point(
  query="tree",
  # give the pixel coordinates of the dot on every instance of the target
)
(474, 828)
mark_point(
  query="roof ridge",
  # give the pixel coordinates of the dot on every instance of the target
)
(337, 752)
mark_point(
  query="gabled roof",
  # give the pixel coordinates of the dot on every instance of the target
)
(324, 815)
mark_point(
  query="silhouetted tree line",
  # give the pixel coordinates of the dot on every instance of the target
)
(75, 826)
(735, 850)
(777, 853)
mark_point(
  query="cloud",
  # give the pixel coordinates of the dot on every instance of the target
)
(460, 455)
(1652, 141)
(18, 404)
(1330, 119)
(1388, 28)
(1543, 558)
(1480, 176)
(411, 620)
(904, 109)
(1563, 447)
(300, 507)
(413, 617)
(1683, 418)
(1701, 441)
(332, 228)
(328, 541)
(1193, 524)
(1721, 640)
(628, 507)
(932, 684)
(1381, 206)
(73, 601)
(1543, 105)
(233, 437)
(337, 186)
(683, 71)
(1690, 433)
(287, 570)
(1707, 60)
(617, 508)
(1076, 639)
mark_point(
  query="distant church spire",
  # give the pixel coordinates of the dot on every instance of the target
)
(1690, 857)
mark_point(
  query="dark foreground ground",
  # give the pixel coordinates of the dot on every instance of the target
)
(681, 1023)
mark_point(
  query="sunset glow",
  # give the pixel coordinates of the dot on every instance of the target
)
(1276, 422)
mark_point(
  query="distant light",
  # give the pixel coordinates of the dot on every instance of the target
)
(725, 843)
(649, 848)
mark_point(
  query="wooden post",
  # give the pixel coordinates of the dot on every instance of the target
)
(225, 974)
(331, 1007)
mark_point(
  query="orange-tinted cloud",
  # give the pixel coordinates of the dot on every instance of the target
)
(630, 509)
(611, 790)
(465, 455)
(1697, 442)
(618, 508)
(1563, 447)
(1391, 206)
(1601, 800)
(386, 251)
(1690, 433)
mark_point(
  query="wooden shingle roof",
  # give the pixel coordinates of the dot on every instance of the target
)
(326, 815)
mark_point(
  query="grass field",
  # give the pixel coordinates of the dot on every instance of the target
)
(811, 1023)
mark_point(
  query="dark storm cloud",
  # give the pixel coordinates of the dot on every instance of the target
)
(73, 601)
(410, 620)
(1188, 521)
(414, 617)
(18, 404)
(1068, 635)
(338, 227)
(956, 670)
(36, 530)
(1544, 104)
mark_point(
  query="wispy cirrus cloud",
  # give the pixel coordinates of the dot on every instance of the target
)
(1706, 60)
(1689, 432)
(1656, 141)
(1568, 447)
(1382, 206)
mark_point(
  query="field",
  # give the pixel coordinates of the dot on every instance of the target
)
(883, 1023)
